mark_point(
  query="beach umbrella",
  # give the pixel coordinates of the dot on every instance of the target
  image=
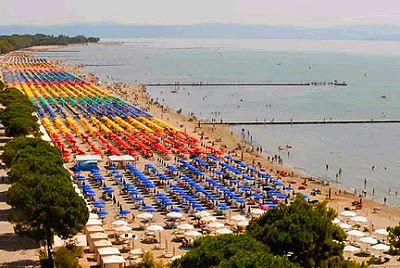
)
(215, 225)
(257, 211)
(369, 240)
(348, 213)
(145, 216)
(155, 228)
(336, 221)
(102, 213)
(355, 233)
(202, 214)
(359, 219)
(380, 247)
(382, 232)
(185, 226)
(242, 223)
(93, 222)
(238, 218)
(97, 202)
(192, 234)
(344, 225)
(123, 229)
(124, 212)
(176, 210)
(119, 223)
(99, 205)
(350, 248)
(208, 219)
(174, 215)
(223, 231)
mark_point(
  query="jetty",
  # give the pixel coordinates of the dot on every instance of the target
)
(305, 122)
(201, 84)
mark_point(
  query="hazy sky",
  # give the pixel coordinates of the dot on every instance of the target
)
(274, 12)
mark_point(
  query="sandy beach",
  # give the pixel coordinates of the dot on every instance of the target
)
(221, 137)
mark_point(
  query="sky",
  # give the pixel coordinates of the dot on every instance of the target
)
(314, 13)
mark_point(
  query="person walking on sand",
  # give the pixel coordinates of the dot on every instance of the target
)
(365, 183)
(384, 200)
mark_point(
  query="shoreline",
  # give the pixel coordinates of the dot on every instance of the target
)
(222, 135)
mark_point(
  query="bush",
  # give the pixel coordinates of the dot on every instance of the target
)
(67, 256)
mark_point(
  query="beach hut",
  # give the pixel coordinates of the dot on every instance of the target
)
(92, 237)
(113, 261)
(93, 222)
(105, 252)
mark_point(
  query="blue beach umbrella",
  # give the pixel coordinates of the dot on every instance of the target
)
(97, 202)
(124, 212)
(99, 205)
(102, 213)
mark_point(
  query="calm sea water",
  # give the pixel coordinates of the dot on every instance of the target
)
(372, 70)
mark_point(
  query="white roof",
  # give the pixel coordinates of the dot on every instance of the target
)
(116, 158)
(127, 157)
(109, 251)
(98, 236)
(102, 243)
(86, 157)
(94, 228)
(92, 222)
(93, 216)
(113, 259)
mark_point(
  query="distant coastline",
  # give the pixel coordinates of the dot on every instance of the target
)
(214, 30)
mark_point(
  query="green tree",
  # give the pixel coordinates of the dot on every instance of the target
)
(43, 206)
(231, 251)
(394, 238)
(302, 231)
(67, 256)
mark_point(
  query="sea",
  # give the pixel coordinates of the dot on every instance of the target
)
(367, 154)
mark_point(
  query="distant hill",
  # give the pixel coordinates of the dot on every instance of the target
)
(358, 32)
